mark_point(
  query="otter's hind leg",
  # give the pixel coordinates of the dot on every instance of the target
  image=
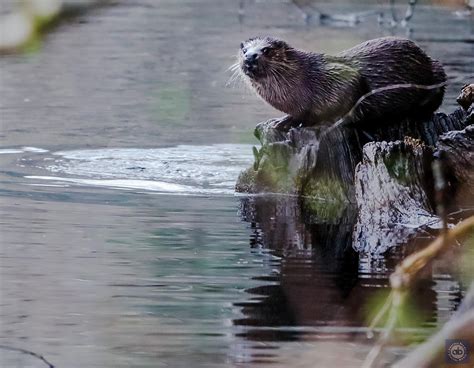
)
(434, 97)
(433, 102)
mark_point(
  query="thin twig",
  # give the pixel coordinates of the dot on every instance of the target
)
(416, 261)
(28, 352)
(385, 308)
(375, 91)
(388, 88)
(400, 281)
(396, 302)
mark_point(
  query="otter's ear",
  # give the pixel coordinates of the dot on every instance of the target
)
(241, 45)
(280, 44)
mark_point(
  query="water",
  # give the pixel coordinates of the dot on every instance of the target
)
(122, 243)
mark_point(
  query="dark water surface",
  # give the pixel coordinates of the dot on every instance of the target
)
(122, 243)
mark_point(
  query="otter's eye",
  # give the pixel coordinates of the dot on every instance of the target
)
(265, 50)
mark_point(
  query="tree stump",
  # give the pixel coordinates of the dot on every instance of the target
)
(383, 171)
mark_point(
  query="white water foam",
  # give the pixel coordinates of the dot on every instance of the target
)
(181, 170)
(5, 151)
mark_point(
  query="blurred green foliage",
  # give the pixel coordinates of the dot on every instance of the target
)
(171, 104)
(467, 261)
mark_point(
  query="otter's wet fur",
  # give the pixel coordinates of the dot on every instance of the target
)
(314, 88)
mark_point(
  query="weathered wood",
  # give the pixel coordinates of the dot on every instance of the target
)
(466, 97)
(394, 187)
(385, 171)
(457, 150)
(392, 184)
(296, 161)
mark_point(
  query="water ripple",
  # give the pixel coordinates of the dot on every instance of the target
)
(183, 169)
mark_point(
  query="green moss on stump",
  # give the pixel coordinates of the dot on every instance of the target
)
(325, 198)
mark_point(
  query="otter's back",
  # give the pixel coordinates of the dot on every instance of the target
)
(390, 61)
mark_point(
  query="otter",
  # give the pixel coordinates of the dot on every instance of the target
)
(316, 89)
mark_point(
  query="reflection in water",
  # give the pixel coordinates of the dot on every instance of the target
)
(322, 289)
(190, 277)
(93, 276)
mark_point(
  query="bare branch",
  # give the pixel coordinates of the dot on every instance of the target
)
(27, 352)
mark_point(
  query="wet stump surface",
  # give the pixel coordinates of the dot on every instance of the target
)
(381, 175)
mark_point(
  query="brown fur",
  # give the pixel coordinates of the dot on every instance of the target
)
(315, 88)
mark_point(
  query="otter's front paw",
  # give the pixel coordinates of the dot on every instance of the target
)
(284, 124)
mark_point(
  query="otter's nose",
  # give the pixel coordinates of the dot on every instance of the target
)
(251, 57)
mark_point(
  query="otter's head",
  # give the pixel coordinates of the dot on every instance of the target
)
(260, 58)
